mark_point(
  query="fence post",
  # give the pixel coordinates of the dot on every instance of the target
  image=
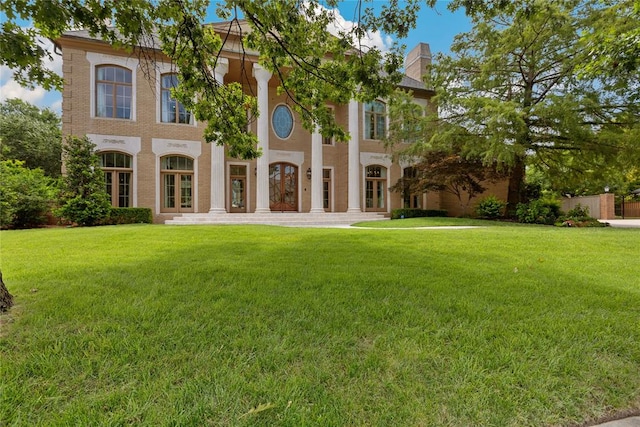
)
(607, 206)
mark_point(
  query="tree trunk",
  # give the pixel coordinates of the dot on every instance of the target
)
(6, 299)
(515, 193)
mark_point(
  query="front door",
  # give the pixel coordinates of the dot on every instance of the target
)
(283, 187)
(376, 189)
(238, 176)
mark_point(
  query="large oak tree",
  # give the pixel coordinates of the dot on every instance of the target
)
(514, 91)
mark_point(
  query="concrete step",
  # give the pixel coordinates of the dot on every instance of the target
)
(278, 218)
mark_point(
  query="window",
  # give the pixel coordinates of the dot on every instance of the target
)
(409, 198)
(117, 175)
(171, 111)
(176, 174)
(282, 121)
(113, 89)
(375, 123)
(326, 189)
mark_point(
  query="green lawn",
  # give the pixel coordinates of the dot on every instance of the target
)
(195, 326)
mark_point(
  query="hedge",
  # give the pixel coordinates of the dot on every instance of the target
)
(129, 216)
(417, 213)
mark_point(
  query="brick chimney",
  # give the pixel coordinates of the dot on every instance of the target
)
(417, 60)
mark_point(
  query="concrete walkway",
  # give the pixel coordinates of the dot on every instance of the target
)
(622, 223)
(625, 422)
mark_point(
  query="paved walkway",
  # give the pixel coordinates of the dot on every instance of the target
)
(623, 223)
(625, 422)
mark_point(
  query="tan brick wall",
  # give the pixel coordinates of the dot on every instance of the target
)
(77, 120)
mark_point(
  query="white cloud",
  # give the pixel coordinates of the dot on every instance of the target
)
(9, 87)
(371, 40)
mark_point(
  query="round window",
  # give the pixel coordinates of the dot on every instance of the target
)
(282, 121)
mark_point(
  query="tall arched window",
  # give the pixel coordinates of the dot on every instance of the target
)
(113, 92)
(171, 111)
(375, 120)
(176, 174)
(118, 173)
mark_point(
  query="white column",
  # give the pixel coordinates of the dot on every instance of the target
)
(217, 153)
(316, 173)
(262, 180)
(354, 158)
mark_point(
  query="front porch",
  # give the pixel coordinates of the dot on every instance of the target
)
(286, 219)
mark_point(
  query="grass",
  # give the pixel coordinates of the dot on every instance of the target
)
(256, 325)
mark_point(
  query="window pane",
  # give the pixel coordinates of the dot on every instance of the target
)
(169, 191)
(124, 185)
(185, 191)
(168, 108)
(238, 170)
(104, 100)
(282, 121)
(108, 179)
(123, 102)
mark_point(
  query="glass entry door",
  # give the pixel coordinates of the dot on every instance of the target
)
(376, 189)
(238, 176)
(283, 187)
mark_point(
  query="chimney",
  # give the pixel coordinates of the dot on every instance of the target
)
(416, 61)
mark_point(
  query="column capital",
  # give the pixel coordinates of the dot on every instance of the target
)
(261, 73)
(222, 68)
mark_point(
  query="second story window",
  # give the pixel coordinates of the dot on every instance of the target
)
(113, 88)
(375, 123)
(171, 110)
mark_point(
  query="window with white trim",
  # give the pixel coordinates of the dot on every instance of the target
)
(113, 92)
(375, 120)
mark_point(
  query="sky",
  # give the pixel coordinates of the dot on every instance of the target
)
(436, 26)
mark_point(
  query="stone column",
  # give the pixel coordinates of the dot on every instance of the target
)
(262, 179)
(316, 173)
(217, 154)
(354, 158)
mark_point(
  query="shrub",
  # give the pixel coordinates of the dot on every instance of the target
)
(417, 213)
(26, 195)
(538, 212)
(579, 217)
(129, 216)
(578, 213)
(490, 208)
(83, 198)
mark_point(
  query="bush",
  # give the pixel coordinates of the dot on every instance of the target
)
(578, 213)
(129, 216)
(417, 213)
(538, 212)
(26, 195)
(579, 217)
(490, 208)
(84, 199)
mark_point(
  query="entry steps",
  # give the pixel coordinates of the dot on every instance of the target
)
(287, 219)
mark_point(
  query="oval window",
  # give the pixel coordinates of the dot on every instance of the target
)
(282, 121)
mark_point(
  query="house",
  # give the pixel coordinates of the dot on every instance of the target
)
(153, 154)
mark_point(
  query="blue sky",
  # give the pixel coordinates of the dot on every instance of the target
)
(436, 26)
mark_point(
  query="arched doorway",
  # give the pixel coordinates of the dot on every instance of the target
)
(283, 187)
(376, 189)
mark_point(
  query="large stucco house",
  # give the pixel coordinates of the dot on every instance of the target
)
(153, 154)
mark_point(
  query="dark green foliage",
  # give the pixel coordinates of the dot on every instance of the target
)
(83, 197)
(129, 216)
(31, 135)
(26, 195)
(417, 213)
(490, 208)
(538, 212)
(579, 217)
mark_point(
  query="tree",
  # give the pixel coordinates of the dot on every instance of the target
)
(32, 135)
(511, 94)
(291, 36)
(83, 198)
(26, 195)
